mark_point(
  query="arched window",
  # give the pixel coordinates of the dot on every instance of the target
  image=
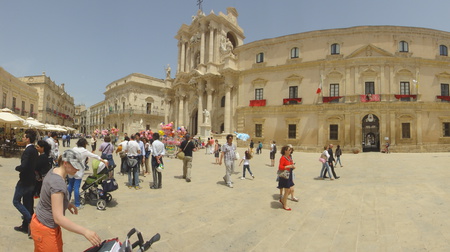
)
(403, 46)
(443, 50)
(294, 53)
(335, 49)
(222, 102)
(260, 58)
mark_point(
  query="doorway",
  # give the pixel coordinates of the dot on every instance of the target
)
(370, 133)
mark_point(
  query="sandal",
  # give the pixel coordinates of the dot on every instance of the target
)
(295, 199)
(287, 209)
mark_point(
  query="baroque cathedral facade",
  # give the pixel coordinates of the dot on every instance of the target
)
(358, 87)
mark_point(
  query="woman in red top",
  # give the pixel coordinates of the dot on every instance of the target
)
(286, 163)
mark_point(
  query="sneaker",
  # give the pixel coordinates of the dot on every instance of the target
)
(137, 187)
(188, 180)
(230, 185)
(21, 229)
(129, 187)
(242, 177)
(80, 207)
(253, 176)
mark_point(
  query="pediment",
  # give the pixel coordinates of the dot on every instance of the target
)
(369, 51)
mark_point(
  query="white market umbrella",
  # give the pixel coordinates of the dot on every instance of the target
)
(13, 119)
(34, 123)
(51, 127)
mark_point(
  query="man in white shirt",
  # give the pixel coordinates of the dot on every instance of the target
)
(133, 152)
(158, 151)
(142, 154)
(52, 142)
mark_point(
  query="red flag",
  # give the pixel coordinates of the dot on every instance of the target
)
(319, 89)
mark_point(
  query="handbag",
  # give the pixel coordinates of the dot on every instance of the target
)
(283, 174)
(110, 185)
(104, 156)
(180, 155)
(322, 160)
(237, 156)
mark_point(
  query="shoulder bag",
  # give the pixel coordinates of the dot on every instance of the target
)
(180, 155)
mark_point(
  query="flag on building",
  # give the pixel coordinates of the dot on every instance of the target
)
(319, 89)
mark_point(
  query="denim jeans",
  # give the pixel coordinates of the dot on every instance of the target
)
(24, 193)
(338, 160)
(135, 173)
(325, 166)
(74, 184)
(246, 167)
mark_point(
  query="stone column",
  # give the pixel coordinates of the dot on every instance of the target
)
(209, 92)
(200, 109)
(183, 56)
(393, 131)
(382, 85)
(181, 110)
(202, 48)
(391, 82)
(347, 129)
(166, 110)
(211, 44)
(320, 133)
(419, 128)
(358, 131)
(227, 113)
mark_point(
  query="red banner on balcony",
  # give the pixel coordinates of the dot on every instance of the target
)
(257, 103)
(442, 97)
(288, 101)
(370, 98)
(405, 96)
(330, 98)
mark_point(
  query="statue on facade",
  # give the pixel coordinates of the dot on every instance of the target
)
(168, 69)
(206, 112)
(225, 45)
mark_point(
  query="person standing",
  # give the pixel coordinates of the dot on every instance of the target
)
(286, 164)
(107, 149)
(252, 144)
(43, 165)
(94, 142)
(229, 155)
(123, 147)
(217, 151)
(68, 140)
(52, 140)
(338, 154)
(188, 147)
(27, 181)
(273, 151)
(50, 211)
(158, 151)
(133, 152)
(259, 149)
(141, 156)
(387, 148)
(147, 148)
(64, 137)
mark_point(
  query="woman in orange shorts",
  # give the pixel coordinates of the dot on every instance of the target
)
(49, 216)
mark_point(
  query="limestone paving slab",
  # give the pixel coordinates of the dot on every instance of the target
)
(382, 202)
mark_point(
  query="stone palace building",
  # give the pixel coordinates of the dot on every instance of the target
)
(358, 87)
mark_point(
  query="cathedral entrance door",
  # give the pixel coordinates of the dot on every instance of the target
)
(370, 133)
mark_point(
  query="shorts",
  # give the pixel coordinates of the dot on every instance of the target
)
(45, 238)
(272, 155)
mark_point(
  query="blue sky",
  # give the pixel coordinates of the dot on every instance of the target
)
(88, 44)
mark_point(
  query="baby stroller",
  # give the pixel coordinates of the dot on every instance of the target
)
(90, 190)
(115, 245)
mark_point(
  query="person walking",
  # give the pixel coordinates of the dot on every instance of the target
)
(229, 155)
(27, 181)
(246, 161)
(50, 211)
(325, 167)
(43, 165)
(338, 154)
(259, 148)
(52, 141)
(273, 151)
(94, 142)
(74, 182)
(331, 160)
(286, 164)
(158, 151)
(188, 147)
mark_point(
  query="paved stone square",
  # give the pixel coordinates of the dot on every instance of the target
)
(382, 202)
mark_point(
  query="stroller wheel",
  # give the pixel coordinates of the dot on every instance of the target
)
(108, 197)
(101, 204)
(82, 200)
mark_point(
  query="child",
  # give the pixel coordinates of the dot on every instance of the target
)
(246, 160)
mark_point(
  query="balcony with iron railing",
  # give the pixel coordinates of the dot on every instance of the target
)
(132, 111)
(292, 101)
(257, 103)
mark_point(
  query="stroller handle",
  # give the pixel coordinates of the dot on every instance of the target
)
(149, 243)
